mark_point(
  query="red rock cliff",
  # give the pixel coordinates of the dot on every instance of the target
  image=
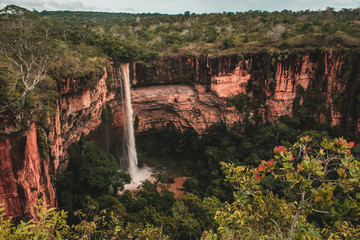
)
(207, 82)
(191, 92)
(24, 177)
(78, 112)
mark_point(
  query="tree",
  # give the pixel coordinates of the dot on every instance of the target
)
(228, 43)
(26, 48)
(91, 173)
(210, 34)
(318, 183)
(10, 103)
(96, 171)
(46, 224)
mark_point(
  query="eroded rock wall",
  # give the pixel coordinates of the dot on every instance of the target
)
(184, 105)
(25, 176)
(273, 78)
(191, 92)
(78, 113)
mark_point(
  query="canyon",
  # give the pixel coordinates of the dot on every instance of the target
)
(189, 91)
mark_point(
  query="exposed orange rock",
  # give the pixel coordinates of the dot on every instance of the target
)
(10, 154)
(69, 85)
(286, 80)
(178, 186)
(199, 105)
(185, 106)
(230, 84)
(333, 64)
(81, 113)
(24, 175)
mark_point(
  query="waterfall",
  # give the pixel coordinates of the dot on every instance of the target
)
(129, 137)
(129, 159)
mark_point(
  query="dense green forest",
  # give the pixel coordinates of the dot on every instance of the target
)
(292, 178)
(158, 34)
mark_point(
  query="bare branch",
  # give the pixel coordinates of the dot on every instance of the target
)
(319, 211)
(278, 227)
(24, 45)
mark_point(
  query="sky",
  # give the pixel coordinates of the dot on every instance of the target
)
(180, 6)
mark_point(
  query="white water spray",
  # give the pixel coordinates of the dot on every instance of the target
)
(130, 159)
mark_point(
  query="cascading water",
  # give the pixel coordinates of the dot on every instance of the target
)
(129, 159)
(129, 138)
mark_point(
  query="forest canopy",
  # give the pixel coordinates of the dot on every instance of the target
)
(218, 32)
(134, 37)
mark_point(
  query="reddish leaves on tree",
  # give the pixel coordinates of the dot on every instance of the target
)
(300, 167)
(280, 149)
(270, 162)
(261, 167)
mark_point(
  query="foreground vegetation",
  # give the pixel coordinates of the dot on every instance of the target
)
(308, 190)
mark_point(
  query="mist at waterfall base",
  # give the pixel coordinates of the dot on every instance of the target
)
(129, 160)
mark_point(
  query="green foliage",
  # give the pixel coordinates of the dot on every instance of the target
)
(325, 181)
(228, 43)
(303, 28)
(51, 224)
(153, 207)
(159, 34)
(5, 224)
(26, 49)
(90, 174)
(122, 51)
(91, 171)
(103, 135)
(46, 224)
(36, 59)
(9, 103)
(193, 215)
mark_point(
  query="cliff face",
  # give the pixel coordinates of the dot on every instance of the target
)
(25, 176)
(191, 92)
(186, 106)
(279, 83)
(78, 112)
